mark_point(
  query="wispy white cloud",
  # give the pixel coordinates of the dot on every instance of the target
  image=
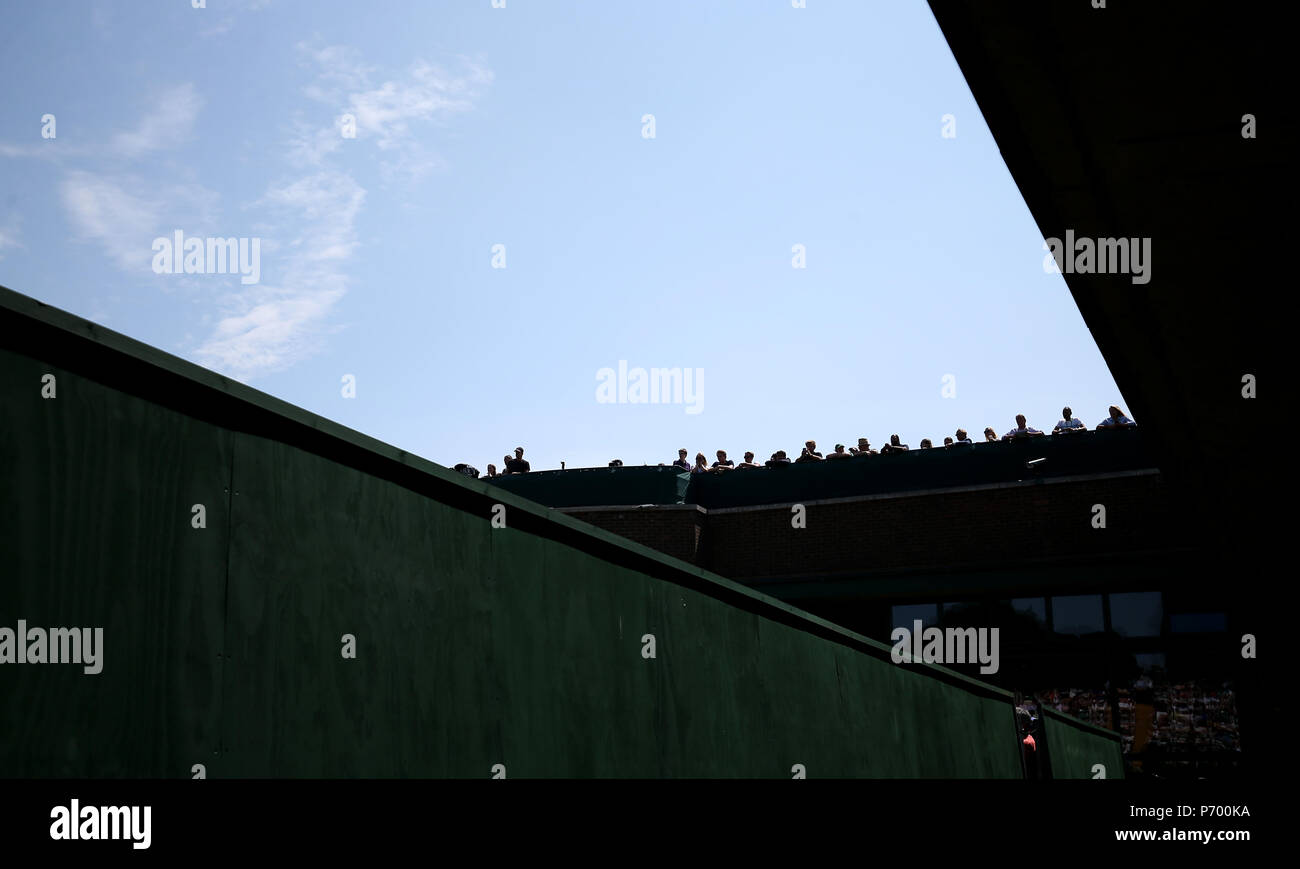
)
(222, 27)
(167, 124)
(270, 336)
(116, 195)
(103, 209)
(384, 112)
(50, 149)
(338, 70)
(224, 23)
(311, 145)
(270, 327)
(387, 111)
(9, 234)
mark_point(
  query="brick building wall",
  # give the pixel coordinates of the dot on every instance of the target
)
(675, 530)
(955, 528)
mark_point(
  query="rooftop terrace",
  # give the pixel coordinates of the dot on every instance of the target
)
(1085, 453)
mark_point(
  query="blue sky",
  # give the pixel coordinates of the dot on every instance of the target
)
(475, 126)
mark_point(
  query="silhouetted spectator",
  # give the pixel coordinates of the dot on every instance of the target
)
(925, 444)
(517, 465)
(962, 438)
(1068, 423)
(947, 442)
(467, 470)
(1117, 419)
(779, 459)
(723, 463)
(492, 470)
(864, 448)
(701, 464)
(681, 460)
(748, 462)
(1026, 727)
(839, 453)
(1021, 430)
(505, 465)
(809, 453)
(616, 463)
(894, 446)
(990, 436)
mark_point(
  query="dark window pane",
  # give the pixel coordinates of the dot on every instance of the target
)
(1077, 614)
(1034, 606)
(904, 616)
(1198, 623)
(1136, 615)
(1151, 662)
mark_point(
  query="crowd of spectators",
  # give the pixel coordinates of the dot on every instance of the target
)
(1195, 717)
(1156, 715)
(516, 465)
(1069, 424)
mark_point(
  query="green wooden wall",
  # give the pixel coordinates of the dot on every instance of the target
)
(1076, 748)
(475, 646)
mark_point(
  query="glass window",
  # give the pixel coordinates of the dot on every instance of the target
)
(1136, 615)
(906, 615)
(1152, 662)
(1077, 614)
(1198, 623)
(1034, 606)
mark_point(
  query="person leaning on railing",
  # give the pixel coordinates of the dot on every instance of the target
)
(1068, 424)
(809, 453)
(863, 448)
(779, 459)
(1117, 419)
(1022, 430)
(517, 465)
(894, 445)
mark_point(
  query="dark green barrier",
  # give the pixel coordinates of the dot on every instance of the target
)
(591, 487)
(1078, 749)
(475, 646)
(510, 648)
(96, 491)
